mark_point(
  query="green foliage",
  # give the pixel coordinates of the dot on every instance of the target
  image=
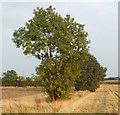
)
(21, 81)
(60, 43)
(10, 78)
(91, 75)
(37, 81)
(28, 81)
(112, 78)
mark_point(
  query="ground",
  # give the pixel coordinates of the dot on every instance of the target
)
(104, 100)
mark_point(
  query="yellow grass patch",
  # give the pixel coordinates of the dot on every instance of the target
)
(103, 100)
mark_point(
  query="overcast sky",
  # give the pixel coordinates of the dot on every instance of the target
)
(101, 23)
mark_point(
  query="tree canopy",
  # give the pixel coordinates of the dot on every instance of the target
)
(91, 75)
(59, 43)
(9, 78)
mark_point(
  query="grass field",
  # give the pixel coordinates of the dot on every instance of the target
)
(111, 82)
(12, 92)
(33, 100)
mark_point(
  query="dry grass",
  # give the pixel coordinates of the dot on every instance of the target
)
(15, 94)
(8, 87)
(111, 81)
(37, 104)
(22, 103)
(102, 101)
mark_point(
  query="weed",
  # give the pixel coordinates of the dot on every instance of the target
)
(48, 100)
(79, 95)
(38, 101)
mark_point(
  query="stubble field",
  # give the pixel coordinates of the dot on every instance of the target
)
(33, 100)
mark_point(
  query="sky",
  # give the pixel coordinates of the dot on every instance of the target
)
(101, 23)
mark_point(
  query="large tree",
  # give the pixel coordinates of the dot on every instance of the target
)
(91, 75)
(60, 43)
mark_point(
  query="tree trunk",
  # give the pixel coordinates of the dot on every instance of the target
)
(50, 51)
(53, 97)
(62, 58)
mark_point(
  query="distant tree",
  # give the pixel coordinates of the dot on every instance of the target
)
(9, 78)
(0, 81)
(60, 43)
(37, 81)
(91, 75)
(21, 81)
(28, 81)
(112, 78)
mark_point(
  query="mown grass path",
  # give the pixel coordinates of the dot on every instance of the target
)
(103, 100)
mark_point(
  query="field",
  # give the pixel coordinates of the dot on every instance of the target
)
(35, 100)
(111, 82)
(12, 92)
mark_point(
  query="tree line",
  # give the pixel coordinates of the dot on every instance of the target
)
(112, 78)
(61, 45)
(10, 78)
